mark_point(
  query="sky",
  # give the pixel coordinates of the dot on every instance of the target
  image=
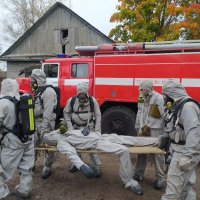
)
(96, 12)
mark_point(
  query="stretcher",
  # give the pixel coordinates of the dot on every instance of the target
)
(132, 150)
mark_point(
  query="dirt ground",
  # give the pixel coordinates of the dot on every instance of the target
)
(62, 185)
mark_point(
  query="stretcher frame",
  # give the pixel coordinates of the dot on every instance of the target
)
(132, 150)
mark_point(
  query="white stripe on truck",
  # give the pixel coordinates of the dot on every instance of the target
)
(75, 81)
(114, 81)
(187, 82)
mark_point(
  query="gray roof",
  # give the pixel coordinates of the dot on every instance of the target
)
(42, 19)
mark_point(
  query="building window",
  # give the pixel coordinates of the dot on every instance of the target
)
(51, 70)
(79, 70)
(64, 35)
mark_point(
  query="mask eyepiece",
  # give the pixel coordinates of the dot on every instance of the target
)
(82, 97)
(34, 84)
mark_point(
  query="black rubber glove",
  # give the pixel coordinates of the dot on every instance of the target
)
(86, 131)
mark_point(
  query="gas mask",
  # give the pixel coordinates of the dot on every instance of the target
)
(169, 114)
(168, 101)
(144, 95)
(34, 84)
(83, 98)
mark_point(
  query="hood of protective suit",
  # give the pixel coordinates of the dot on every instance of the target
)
(146, 85)
(9, 87)
(82, 88)
(40, 76)
(16, 89)
(175, 90)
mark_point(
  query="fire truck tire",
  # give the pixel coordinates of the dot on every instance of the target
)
(119, 120)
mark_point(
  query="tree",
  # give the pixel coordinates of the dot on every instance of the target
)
(156, 20)
(22, 14)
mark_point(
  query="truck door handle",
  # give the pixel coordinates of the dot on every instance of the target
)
(54, 82)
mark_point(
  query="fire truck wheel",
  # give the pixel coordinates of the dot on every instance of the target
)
(119, 120)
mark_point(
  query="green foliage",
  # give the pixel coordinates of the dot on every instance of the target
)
(156, 20)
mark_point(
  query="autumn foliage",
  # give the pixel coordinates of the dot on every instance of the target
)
(156, 20)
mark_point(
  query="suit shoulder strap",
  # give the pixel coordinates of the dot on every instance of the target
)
(12, 99)
(180, 108)
(195, 102)
(45, 87)
(184, 102)
(73, 102)
(91, 103)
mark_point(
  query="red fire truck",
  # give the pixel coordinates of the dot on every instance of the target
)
(114, 72)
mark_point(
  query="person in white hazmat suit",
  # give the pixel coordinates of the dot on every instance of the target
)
(107, 143)
(112, 143)
(152, 100)
(15, 153)
(185, 140)
(45, 104)
(80, 115)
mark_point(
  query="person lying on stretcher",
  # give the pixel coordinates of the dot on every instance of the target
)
(71, 140)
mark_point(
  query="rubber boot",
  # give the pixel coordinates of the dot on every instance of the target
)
(97, 171)
(159, 184)
(73, 169)
(87, 171)
(136, 189)
(46, 174)
(20, 195)
(137, 177)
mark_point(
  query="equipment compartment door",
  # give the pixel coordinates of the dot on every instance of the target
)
(190, 74)
(157, 68)
(114, 77)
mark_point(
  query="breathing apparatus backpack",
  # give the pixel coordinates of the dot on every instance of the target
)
(57, 91)
(25, 121)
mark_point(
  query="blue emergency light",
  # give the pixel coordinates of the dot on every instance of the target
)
(61, 55)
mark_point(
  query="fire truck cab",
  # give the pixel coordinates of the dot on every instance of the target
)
(114, 72)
